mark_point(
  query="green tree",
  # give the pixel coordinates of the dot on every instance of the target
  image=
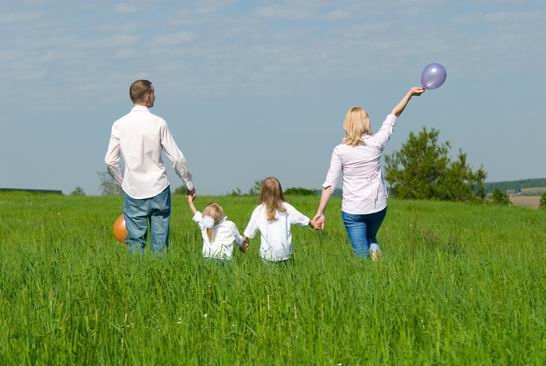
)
(298, 191)
(500, 198)
(108, 186)
(422, 169)
(235, 192)
(78, 191)
(256, 188)
(181, 190)
(543, 200)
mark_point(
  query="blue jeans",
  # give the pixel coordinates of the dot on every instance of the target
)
(362, 230)
(156, 212)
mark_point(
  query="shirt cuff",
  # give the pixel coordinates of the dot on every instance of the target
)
(197, 217)
(391, 119)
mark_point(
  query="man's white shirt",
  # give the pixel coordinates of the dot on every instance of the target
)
(140, 136)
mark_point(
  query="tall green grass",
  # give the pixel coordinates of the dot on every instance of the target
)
(458, 284)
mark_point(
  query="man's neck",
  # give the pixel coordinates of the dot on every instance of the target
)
(140, 105)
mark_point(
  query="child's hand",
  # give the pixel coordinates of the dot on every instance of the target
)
(191, 198)
(244, 247)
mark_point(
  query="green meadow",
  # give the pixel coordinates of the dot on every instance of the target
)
(457, 284)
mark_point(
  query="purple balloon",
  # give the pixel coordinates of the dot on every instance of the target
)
(433, 76)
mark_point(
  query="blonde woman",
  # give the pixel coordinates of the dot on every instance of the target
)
(358, 159)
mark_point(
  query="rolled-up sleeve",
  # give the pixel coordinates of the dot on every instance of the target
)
(382, 136)
(334, 171)
(176, 157)
(113, 155)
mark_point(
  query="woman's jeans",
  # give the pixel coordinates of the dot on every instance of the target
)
(362, 230)
(156, 212)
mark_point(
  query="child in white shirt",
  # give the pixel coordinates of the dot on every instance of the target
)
(273, 218)
(219, 234)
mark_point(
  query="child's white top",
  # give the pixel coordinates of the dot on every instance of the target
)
(225, 235)
(364, 190)
(276, 242)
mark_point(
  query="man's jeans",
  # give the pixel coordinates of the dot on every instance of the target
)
(362, 230)
(156, 212)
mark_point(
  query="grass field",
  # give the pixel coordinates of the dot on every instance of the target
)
(458, 284)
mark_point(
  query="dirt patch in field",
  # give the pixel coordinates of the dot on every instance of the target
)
(525, 201)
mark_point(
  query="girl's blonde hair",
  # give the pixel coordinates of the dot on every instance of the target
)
(356, 124)
(215, 211)
(271, 195)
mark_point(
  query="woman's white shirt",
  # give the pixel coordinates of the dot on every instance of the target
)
(225, 235)
(276, 236)
(364, 189)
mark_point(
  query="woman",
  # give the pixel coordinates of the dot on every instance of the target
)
(358, 158)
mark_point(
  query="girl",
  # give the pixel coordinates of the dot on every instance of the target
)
(358, 159)
(273, 218)
(219, 234)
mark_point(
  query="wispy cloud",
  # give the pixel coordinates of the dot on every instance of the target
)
(173, 39)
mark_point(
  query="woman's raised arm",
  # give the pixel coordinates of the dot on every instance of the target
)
(405, 100)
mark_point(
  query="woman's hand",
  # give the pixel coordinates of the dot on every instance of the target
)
(416, 91)
(318, 221)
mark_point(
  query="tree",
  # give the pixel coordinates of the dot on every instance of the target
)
(256, 188)
(181, 190)
(108, 185)
(543, 200)
(422, 169)
(298, 191)
(500, 198)
(78, 191)
(235, 192)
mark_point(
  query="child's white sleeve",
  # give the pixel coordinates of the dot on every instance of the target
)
(252, 226)
(296, 217)
(198, 219)
(236, 235)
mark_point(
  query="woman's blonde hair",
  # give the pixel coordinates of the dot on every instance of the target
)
(356, 124)
(215, 211)
(271, 195)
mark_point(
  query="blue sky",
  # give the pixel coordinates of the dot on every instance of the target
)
(258, 88)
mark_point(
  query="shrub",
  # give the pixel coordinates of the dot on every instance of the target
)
(500, 198)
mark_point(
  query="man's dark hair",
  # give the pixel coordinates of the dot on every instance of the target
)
(139, 89)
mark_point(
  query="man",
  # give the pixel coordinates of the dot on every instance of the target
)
(140, 137)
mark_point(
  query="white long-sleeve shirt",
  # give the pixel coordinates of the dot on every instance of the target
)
(140, 136)
(225, 236)
(364, 189)
(276, 236)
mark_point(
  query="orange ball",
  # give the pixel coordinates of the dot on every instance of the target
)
(120, 231)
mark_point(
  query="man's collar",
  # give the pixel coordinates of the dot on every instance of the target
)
(139, 107)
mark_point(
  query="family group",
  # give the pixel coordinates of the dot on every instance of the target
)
(140, 137)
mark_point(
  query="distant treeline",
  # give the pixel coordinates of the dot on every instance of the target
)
(515, 185)
(30, 190)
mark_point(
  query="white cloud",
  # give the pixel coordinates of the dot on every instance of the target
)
(285, 12)
(16, 18)
(337, 14)
(173, 39)
(131, 6)
(113, 41)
